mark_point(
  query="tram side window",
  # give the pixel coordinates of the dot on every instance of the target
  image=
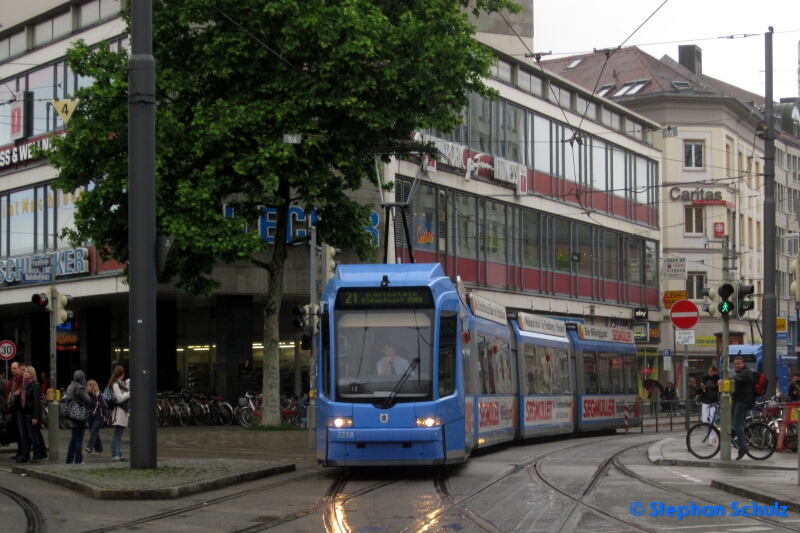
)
(502, 367)
(617, 380)
(542, 371)
(482, 365)
(604, 373)
(631, 374)
(448, 332)
(590, 372)
(530, 369)
(326, 355)
(564, 386)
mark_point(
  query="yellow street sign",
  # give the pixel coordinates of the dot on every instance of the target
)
(670, 297)
(780, 324)
(65, 108)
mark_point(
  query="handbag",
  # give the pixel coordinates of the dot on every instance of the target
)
(74, 411)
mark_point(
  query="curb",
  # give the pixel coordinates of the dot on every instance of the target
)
(755, 496)
(719, 463)
(167, 493)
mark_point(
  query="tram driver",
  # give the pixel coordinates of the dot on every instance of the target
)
(391, 363)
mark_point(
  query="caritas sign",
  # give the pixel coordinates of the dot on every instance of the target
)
(719, 229)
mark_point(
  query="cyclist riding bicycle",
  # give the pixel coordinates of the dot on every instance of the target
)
(743, 399)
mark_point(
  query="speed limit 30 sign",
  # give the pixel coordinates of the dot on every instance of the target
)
(7, 350)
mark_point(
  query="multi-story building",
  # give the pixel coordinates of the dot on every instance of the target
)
(546, 200)
(713, 181)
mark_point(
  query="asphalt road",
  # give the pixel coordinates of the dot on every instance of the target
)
(577, 484)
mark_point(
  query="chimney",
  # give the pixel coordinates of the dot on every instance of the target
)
(690, 56)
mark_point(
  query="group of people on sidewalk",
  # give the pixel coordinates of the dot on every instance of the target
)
(21, 409)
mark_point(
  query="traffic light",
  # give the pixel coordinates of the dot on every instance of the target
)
(42, 300)
(329, 263)
(742, 305)
(711, 293)
(725, 307)
(795, 287)
(62, 313)
(303, 325)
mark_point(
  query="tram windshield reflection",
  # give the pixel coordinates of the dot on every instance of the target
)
(374, 349)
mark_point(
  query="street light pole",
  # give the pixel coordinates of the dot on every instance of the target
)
(142, 236)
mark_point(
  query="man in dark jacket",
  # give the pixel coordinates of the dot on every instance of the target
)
(743, 399)
(670, 395)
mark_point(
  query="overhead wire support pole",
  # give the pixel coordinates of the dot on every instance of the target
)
(142, 236)
(769, 301)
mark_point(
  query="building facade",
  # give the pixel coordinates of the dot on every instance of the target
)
(713, 182)
(536, 202)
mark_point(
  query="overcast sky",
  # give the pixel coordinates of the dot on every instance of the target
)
(570, 27)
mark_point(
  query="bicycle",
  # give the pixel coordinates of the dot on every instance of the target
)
(703, 439)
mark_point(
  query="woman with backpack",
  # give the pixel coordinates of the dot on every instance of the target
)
(77, 392)
(119, 417)
(98, 414)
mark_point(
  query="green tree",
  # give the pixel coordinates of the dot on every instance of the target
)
(232, 77)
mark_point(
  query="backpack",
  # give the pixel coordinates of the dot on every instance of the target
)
(760, 382)
(108, 398)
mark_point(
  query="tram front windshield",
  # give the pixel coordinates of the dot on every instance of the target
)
(381, 352)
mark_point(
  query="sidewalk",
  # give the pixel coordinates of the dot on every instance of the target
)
(190, 459)
(772, 480)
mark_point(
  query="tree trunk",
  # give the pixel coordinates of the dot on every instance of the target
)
(271, 408)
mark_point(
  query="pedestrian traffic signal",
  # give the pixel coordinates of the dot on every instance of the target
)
(42, 300)
(743, 305)
(711, 294)
(725, 291)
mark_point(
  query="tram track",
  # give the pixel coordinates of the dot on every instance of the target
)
(34, 519)
(204, 505)
(451, 502)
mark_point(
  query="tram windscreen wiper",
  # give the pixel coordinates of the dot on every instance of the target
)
(390, 399)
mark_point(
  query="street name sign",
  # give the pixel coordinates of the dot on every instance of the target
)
(37, 277)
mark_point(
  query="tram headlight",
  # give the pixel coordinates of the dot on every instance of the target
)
(341, 422)
(428, 422)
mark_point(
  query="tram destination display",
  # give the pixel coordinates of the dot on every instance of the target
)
(362, 297)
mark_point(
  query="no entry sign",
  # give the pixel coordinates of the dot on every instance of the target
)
(684, 314)
(7, 350)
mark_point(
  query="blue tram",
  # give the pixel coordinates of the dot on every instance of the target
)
(786, 365)
(414, 372)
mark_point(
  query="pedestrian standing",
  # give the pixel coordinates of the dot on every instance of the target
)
(119, 417)
(30, 410)
(709, 397)
(794, 388)
(77, 393)
(670, 395)
(13, 407)
(744, 398)
(98, 415)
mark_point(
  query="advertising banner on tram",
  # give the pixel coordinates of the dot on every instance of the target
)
(495, 413)
(546, 411)
(601, 408)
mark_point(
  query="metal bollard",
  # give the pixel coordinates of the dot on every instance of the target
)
(725, 421)
(625, 405)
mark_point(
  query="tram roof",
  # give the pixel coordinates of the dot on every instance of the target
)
(400, 275)
(744, 349)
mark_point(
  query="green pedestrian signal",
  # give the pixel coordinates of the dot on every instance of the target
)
(725, 308)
